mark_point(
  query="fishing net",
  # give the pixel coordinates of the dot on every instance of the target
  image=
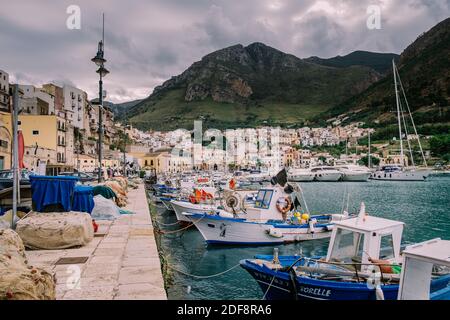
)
(55, 230)
(18, 280)
(119, 191)
(104, 209)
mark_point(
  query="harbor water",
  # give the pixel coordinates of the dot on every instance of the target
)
(424, 207)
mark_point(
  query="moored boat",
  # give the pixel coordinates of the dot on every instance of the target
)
(362, 263)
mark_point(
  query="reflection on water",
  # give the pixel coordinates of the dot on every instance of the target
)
(423, 206)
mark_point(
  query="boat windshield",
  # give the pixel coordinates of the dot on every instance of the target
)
(347, 247)
(263, 199)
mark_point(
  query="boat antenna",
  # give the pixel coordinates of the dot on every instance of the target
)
(397, 100)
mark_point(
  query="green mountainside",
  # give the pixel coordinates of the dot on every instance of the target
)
(424, 68)
(248, 86)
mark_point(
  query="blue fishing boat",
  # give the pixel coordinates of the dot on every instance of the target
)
(363, 262)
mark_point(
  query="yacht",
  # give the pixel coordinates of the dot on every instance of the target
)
(301, 175)
(326, 173)
(402, 171)
(352, 172)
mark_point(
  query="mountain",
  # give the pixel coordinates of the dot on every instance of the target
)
(424, 68)
(120, 109)
(247, 86)
(380, 62)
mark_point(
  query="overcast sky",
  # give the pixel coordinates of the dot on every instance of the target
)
(148, 41)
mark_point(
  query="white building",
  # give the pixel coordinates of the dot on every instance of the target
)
(75, 101)
(4, 91)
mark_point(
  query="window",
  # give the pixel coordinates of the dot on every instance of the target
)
(263, 199)
(386, 247)
(35, 132)
(348, 246)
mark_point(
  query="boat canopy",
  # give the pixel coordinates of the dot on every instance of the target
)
(358, 239)
(418, 261)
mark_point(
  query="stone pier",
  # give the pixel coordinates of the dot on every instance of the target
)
(122, 260)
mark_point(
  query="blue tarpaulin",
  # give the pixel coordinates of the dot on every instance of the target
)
(83, 199)
(48, 190)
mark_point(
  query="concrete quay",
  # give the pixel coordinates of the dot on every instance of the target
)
(123, 264)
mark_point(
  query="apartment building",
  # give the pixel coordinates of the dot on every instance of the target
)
(75, 102)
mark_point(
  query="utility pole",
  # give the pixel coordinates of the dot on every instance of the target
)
(15, 152)
(99, 60)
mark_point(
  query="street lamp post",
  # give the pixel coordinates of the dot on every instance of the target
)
(99, 60)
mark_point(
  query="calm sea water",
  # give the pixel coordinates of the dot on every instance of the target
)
(423, 206)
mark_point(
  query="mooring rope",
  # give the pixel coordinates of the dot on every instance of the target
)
(268, 288)
(203, 277)
(182, 229)
(168, 224)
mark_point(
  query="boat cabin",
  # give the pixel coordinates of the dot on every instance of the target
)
(418, 262)
(265, 206)
(358, 239)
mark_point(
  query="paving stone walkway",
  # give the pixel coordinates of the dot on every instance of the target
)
(123, 264)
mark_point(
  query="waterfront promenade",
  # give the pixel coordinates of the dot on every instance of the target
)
(122, 260)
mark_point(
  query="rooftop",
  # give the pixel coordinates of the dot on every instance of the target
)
(436, 250)
(370, 224)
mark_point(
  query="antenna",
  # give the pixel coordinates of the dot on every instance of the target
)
(103, 29)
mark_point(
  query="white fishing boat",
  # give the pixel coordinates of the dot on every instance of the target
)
(352, 172)
(363, 262)
(180, 206)
(326, 173)
(210, 201)
(402, 171)
(275, 217)
(301, 175)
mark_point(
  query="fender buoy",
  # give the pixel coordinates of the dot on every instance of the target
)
(284, 209)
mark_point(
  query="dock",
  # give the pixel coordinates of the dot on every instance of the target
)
(120, 263)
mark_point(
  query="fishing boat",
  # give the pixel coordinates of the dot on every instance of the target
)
(363, 262)
(402, 171)
(205, 202)
(275, 217)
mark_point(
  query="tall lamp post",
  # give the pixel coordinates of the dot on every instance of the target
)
(99, 60)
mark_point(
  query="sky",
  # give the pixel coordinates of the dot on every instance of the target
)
(148, 41)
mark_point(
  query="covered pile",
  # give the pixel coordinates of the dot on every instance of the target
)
(55, 230)
(18, 280)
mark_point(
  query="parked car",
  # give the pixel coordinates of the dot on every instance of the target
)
(6, 178)
(83, 176)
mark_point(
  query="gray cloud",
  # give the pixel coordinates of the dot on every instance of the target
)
(149, 41)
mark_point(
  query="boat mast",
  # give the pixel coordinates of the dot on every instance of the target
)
(398, 113)
(369, 160)
(411, 117)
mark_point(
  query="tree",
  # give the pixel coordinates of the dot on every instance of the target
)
(365, 161)
(440, 145)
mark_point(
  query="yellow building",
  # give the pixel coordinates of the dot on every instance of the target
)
(48, 134)
(5, 140)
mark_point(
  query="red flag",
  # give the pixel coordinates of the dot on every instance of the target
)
(21, 145)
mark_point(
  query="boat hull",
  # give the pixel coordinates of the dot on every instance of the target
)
(183, 206)
(328, 176)
(230, 231)
(400, 175)
(360, 176)
(301, 177)
(283, 286)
